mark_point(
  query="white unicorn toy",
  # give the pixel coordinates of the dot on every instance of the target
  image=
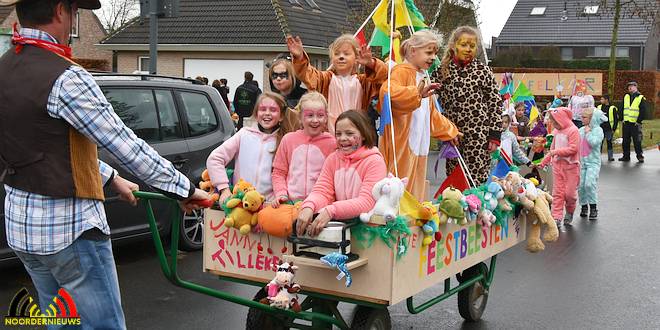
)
(387, 193)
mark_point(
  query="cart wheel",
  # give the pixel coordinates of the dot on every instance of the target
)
(191, 233)
(472, 300)
(371, 318)
(259, 320)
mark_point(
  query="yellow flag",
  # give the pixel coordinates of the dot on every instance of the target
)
(411, 207)
(380, 17)
(533, 115)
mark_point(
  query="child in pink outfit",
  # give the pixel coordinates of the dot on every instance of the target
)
(565, 159)
(343, 189)
(301, 154)
(252, 149)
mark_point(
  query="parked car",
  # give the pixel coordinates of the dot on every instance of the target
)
(180, 118)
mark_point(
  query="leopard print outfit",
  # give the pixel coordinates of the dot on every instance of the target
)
(471, 99)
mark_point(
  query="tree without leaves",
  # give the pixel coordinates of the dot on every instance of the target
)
(115, 13)
(647, 10)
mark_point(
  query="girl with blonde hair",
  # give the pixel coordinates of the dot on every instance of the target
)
(342, 86)
(470, 96)
(414, 115)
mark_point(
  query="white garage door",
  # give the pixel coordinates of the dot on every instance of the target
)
(232, 70)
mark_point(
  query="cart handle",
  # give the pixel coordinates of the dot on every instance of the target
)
(169, 268)
(485, 276)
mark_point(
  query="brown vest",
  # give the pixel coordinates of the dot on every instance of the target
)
(38, 153)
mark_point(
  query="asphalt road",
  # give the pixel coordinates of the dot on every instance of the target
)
(599, 274)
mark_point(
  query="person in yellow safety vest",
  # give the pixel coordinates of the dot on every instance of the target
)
(611, 125)
(632, 115)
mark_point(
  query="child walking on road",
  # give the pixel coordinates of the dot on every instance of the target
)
(591, 137)
(565, 160)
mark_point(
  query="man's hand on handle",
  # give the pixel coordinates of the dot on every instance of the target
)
(198, 200)
(124, 189)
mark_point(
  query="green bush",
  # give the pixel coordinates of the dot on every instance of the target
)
(598, 64)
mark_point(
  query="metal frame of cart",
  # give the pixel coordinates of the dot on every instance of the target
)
(320, 308)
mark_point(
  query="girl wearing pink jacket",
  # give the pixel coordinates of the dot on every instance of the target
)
(301, 154)
(252, 148)
(565, 161)
(343, 189)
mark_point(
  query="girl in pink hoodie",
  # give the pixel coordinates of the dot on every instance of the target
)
(565, 161)
(252, 148)
(301, 154)
(343, 189)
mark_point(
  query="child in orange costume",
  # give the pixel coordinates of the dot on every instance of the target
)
(414, 115)
(341, 85)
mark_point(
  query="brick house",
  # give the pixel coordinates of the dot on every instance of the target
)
(223, 39)
(582, 30)
(87, 33)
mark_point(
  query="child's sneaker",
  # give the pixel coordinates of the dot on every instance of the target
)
(593, 215)
(568, 218)
(584, 211)
(558, 222)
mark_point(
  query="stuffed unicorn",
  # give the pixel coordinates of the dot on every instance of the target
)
(387, 193)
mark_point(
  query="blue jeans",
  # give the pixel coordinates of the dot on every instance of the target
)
(86, 270)
(609, 135)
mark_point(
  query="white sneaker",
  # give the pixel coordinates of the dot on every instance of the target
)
(568, 218)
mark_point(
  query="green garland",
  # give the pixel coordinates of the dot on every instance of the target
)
(393, 233)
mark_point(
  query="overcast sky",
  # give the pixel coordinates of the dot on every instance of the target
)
(492, 15)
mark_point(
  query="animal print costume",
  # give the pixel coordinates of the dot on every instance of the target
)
(471, 100)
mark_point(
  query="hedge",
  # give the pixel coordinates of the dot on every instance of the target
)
(598, 64)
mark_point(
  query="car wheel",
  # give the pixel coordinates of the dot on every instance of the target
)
(191, 236)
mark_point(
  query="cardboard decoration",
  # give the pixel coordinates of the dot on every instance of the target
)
(377, 276)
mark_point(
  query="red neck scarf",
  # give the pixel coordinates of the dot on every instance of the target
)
(20, 42)
(459, 62)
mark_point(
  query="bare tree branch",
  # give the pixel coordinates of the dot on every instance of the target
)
(115, 13)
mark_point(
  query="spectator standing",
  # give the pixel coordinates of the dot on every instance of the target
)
(245, 98)
(221, 86)
(611, 125)
(632, 115)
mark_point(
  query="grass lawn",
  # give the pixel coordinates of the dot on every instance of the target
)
(651, 130)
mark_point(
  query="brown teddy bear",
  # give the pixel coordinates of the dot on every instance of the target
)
(539, 216)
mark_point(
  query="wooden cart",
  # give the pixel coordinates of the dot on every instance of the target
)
(380, 278)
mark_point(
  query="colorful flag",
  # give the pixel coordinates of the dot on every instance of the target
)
(522, 93)
(447, 151)
(360, 38)
(533, 115)
(501, 169)
(456, 179)
(385, 114)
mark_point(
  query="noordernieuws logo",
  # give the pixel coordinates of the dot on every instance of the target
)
(24, 310)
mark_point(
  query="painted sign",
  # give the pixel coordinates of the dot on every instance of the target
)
(549, 84)
(384, 278)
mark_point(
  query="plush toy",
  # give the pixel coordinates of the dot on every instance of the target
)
(486, 218)
(338, 260)
(243, 212)
(493, 193)
(282, 291)
(278, 221)
(387, 193)
(431, 225)
(242, 186)
(474, 205)
(206, 185)
(450, 206)
(501, 201)
(540, 216)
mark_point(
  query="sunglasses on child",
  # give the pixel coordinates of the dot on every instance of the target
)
(281, 75)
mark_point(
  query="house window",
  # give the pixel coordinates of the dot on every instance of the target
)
(143, 63)
(566, 53)
(590, 10)
(76, 26)
(537, 11)
(605, 52)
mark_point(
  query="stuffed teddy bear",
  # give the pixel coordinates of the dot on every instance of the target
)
(206, 185)
(541, 216)
(431, 225)
(243, 211)
(473, 206)
(493, 194)
(282, 291)
(242, 186)
(450, 206)
(387, 193)
(486, 218)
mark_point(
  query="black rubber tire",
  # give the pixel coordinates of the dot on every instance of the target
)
(259, 320)
(371, 318)
(473, 299)
(192, 240)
